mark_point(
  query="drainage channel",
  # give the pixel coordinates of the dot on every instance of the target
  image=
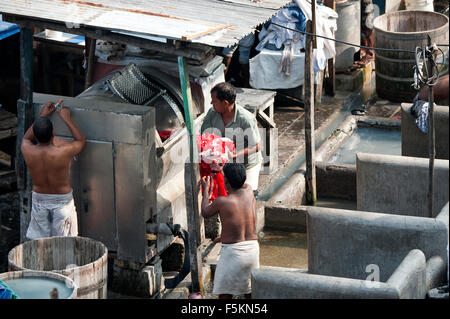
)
(286, 177)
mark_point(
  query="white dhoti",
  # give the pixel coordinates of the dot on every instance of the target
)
(234, 268)
(52, 215)
(253, 176)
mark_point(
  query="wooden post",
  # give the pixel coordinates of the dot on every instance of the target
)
(330, 82)
(192, 184)
(431, 136)
(24, 120)
(90, 55)
(309, 113)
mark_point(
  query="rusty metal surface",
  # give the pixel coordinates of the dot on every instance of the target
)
(213, 22)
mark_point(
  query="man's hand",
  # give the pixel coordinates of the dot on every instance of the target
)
(64, 113)
(231, 155)
(207, 189)
(47, 109)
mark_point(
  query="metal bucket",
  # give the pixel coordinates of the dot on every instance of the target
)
(33, 284)
(84, 260)
(403, 30)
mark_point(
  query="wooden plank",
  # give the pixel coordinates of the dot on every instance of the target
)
(199, 34)
(265, 120)
(198, 53)
(24, 121)
(431, 138)
(90, 56)
(311, 192)
(193, 211)
(192, 184)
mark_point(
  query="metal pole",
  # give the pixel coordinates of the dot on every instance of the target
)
(431, 136)
(90, 55)
(311, 192)
(192, 183)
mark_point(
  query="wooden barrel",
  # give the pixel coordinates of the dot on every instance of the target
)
(84, 260)
(34, 284)
(403, 30)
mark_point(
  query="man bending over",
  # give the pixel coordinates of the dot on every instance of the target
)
(53, 211)
(240, 248)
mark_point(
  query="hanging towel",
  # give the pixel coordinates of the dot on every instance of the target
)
(420, 112)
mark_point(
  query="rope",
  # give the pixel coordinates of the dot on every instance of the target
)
(422, 75)
(348, 43)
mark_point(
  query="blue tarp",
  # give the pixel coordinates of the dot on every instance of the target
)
(6, 293)
(7, 29)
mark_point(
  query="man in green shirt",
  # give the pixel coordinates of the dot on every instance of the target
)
(228, 119)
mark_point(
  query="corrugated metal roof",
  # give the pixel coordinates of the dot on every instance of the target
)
(218, 23)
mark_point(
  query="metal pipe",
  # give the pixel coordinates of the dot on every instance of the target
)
(177, 231)
(163, 229)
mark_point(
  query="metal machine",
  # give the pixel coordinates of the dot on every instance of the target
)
(130, 176)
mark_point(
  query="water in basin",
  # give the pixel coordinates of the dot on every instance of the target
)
(283, 249)
(368, 140)
(38, 288)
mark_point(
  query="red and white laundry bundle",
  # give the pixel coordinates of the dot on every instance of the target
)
(213, 154)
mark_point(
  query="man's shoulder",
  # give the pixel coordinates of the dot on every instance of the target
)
(209, 116)
(245, 115)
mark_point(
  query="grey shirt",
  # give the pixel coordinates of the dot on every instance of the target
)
(242, 130)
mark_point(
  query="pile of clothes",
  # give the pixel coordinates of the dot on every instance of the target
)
(282, 49)
(213, 154)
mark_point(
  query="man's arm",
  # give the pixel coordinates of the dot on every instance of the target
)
(246, 151)
(254, 141)
(79, 140)
(208, 209)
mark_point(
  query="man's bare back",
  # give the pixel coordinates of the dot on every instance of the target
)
(240, 250)
(237, 213)
(49, 162)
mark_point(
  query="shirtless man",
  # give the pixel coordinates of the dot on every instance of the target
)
(53, 211)
(440, 92)
(240, 248)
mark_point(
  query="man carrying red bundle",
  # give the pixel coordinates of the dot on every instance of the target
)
(214, 152)
(230, 120)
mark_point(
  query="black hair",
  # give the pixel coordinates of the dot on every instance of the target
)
(43, 129)
(235, 174)
(225, 91)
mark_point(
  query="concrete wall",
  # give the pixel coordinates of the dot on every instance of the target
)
(336, 180)
(355, 244)
(409, 278)
(399, 184)
(285, 218)
(408, 281)
(289, 283)
(415, 142)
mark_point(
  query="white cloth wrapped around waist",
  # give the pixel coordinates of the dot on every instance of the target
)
(232, 275)
(52, 215)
